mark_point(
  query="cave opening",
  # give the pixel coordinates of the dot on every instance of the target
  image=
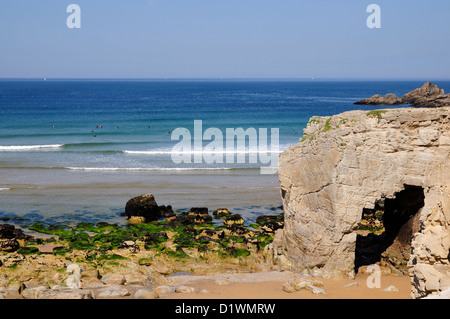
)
(385, 232)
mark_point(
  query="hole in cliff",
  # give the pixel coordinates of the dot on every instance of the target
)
(385, 232)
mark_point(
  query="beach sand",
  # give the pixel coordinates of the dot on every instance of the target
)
(268, 285)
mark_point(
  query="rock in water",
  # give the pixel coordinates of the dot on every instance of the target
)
(427, 91)
(167, 211)
(143, 206)
(221, 212)
(429, 95)
(377, 99)
(7, 231)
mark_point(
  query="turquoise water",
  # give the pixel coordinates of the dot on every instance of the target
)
(78, 150)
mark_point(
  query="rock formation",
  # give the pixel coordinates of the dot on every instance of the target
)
(429, 95)
(377, 99)
(427, 92)
(351, 161)
(11, 238)
(144, 208)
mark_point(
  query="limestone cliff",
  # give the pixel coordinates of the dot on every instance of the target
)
(351, 161)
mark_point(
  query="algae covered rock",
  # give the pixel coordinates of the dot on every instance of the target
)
(143, 206)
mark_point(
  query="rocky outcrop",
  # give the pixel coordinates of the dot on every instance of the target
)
(425, 95)
(377, 99)
(144, 208)
(12, 238)
(429, 95)
(351, 161)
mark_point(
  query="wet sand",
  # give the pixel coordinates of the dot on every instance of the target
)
(269, 286)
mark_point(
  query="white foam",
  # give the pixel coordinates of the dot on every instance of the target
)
(150, 169)
(205, 152)
(5, 189)
(28, 147)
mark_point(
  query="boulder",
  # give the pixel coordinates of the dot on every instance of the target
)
(196, 215)
(15, 287)
(130, 246)
(221, 212)
(270, 223)
(144, 206)
(211, 234)
(162, 290)
(66, 293)
(113, 279)
(74, 279)
(91, 283)
(184, 289)
(113, 292)
(167, 211)
(287, 287)
(202, 211)
(146, 294)
(154, 238)
(136, 279)
(34, 292)
(444, 294)
(235, 219)
(9, 245)
(7, 231)
(11, 238)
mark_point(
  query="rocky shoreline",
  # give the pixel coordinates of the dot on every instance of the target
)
(136, 261)
(186, 255)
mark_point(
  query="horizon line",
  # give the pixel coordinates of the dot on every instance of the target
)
(311, 79)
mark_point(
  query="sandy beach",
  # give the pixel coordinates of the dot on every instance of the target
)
(268, 285)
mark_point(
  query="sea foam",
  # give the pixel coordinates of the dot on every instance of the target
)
(15, 148)
(149, 169)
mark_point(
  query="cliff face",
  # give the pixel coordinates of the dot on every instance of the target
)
(352, 161)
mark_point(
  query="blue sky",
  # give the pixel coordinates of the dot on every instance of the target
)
(225, 39)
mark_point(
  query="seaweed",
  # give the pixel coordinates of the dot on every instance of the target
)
(377, 113)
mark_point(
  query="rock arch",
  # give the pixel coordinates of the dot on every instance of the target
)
(387, 233)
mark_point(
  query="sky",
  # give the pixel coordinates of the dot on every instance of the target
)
(225, 39)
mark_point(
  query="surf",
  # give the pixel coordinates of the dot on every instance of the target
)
(15, 148)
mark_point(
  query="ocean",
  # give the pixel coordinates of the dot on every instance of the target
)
(77, 150)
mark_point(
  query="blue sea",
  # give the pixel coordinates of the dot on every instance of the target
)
(77, 150)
